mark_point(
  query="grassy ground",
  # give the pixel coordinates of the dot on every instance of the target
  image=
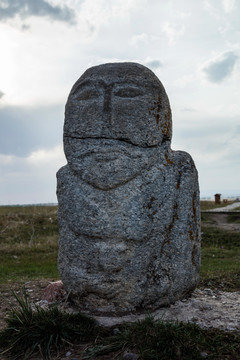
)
(28, 243)
(220, 266)
(234, 218)
(28, 251)
(28, 247)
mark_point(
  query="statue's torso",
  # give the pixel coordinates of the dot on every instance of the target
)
(128, 237)
(126, 212)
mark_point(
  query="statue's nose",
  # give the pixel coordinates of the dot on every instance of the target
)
(107, 112)
(107, 105)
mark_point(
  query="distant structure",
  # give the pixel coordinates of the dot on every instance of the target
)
(217, 198)
(129, 214)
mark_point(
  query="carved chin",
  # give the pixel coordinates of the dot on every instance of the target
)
(108, 175)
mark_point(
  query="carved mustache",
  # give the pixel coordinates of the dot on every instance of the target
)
(103, 148)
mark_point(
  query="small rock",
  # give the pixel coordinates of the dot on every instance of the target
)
(130, 356)
(116, 331)
(54, 291)
(205, 307)
(194, 319)
(68, 353)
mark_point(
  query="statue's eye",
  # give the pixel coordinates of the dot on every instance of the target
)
(87, 94)
(128, 92)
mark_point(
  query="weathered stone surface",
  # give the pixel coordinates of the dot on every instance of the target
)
(128, 204)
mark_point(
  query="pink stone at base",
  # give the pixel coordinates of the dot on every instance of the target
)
(54, 291)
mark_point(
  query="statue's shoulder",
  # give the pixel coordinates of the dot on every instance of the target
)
(63, 172)
(184, 161)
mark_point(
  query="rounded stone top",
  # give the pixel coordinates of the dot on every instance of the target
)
(124, 101)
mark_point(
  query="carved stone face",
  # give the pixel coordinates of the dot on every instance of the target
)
(117, 116)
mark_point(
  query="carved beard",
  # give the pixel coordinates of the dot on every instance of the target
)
(107, 164)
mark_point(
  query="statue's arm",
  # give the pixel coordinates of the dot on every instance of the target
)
(188, 194)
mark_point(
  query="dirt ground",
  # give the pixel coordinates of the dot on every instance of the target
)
(219, 220)
(207, 308)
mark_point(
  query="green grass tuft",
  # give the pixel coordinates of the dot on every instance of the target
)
(33, 329)
(159, 340)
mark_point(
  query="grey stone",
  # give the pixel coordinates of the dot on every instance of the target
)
(129, 214)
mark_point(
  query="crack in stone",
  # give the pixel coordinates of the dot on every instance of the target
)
(124, 140)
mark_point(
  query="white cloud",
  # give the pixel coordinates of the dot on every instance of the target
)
(44, 157)
(185, 15)
(224, 27)
(173, 32)
(212, 10)
(185, 80)
(100, 12)
(138, 39)
(228, 5)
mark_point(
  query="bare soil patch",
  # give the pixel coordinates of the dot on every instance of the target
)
(219, 220)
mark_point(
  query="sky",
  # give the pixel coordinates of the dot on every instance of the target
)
(46, 45)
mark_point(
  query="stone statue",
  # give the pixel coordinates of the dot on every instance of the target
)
(128, 204)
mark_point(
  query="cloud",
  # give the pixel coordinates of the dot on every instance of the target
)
(30, 179)
(139, 39)
(185, 80)
(27, 8)
(186, 109)
(213, 11)
(103, 13)
(219, 68)
(1, 94)
(185, 15)
(47, 157)
(173, 32)
(228, 5)
(153, 64)
(25, 130)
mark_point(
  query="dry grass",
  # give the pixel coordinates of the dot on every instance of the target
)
(209, 205)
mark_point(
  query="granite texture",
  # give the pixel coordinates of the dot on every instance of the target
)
(129, 213)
